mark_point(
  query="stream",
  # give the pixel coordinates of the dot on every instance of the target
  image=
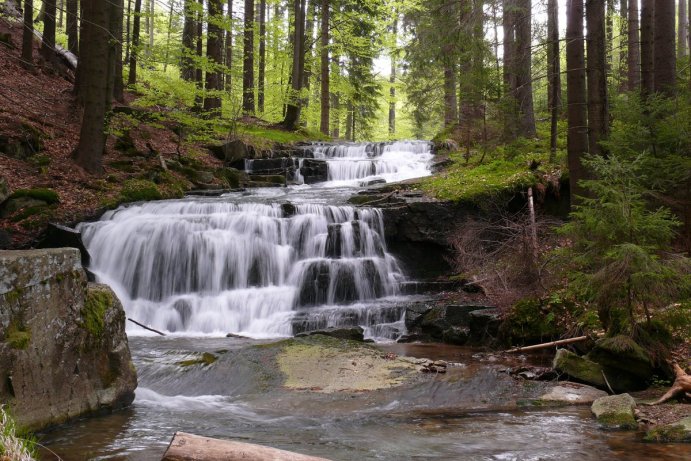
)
(273, 262)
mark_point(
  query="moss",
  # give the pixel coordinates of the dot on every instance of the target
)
(96, 304)
(46, 195)
(231, 176)
(617, 421)
(138, 190)
(13, 296)
(18, 336)
(529, 321)
(677, 433)
(206, 359)
(29, 212)
(39, 160)
(123, 165)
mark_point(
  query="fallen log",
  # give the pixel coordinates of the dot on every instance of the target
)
(190, 447)
(546, 345)
(682, 384)
(145, 327)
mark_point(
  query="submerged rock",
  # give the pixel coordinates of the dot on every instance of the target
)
(578, 368)
(353, 333)
(615, 412)
(63, 348)
(568, 393)
(678, 432)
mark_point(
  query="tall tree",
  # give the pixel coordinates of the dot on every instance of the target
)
(48, 43)
(214, 55)
(72, 7)
(683, 30)
(229, 48)
(294, 105)
(325, 83)
(117, 15)
(647, 41)
(262, 56)
(664, 52)
(392, 76)
(509, 69)
(623, 34)
(598, 117)
(94, 61)
(553, 72)
(187, 68)
(634, 48)
(577, 138)
(524, 79)
(248, 60)
(134, 54)
(28, 34)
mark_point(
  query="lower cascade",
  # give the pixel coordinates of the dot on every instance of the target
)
(210, 266)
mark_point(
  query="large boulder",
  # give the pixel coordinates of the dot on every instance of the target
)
(230, 152)
(63, 349)
(678, 432)
(578, 368)
(626, 364)
(568, 393)
(615, 412)
(58, 236)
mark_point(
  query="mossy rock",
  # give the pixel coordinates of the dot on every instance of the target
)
(231, 176)
(24, 142)
(48, 196)
(615, 412)
(139, 190)
(96, 304)
(529, 322)
(579, 368)
(18, 337)
(206, 359)
(627, 365)
(679, 432)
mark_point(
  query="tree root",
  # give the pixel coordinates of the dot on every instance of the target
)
(681, 385)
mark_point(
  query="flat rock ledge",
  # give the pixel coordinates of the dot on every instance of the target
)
(190, 447)
(568, 393)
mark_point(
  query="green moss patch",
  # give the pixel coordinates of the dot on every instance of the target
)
(139, 190)
(206, 359)
(96, 304)
(45, 195)
(18, 336)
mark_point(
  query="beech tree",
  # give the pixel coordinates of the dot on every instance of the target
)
(248, 60)
(187, 68)
(214, 55)
(324, 71)
(229, 48)
(262, 56)
(294, 101)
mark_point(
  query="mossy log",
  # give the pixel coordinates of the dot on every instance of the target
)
(189, 447)
(681, 385)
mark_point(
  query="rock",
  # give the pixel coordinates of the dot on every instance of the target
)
(679, 432)
(231, 151)
(572, 394)
(484, 323)
(578, 368)
(189, 447)
(204, 177)
(447, 323)
(4, 189)
(314, 171)
(24, 142)
(58, 236)
(28, 199)
(372, 182)
(63, 348)
(626, 364)
(414, 315)
(353, 333)
(615, 412)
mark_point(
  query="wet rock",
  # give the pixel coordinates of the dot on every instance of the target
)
(567, 393)
(230, 151)
(615, 412)
(678, 432)
(534, 373)
(484, 323)
(626, 364)
(352, 333)
(314, 171)
(63, 349)
(578, 368)
(58, 236)
(372, 182)
(414, 315)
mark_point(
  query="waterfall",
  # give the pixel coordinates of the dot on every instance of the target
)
(211, 266)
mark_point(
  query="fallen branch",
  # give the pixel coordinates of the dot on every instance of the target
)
(681, 385)
(550, 344)
(145, 327)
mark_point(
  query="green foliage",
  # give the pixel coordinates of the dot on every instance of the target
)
(15, 444)
(18, 336)
(619, 257)
(96, 304)
(46, 195)
(138, 190)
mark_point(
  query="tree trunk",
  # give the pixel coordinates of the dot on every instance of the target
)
(168, 33)
(199, 51)
(128, 30)
(634, 48)
(294, 103)
(229, 49)
(683, 31)
(609, 36)
(623, 32)
(349, 135)
(450, 100)
(134, 54)
(150, 30)
(117, 16)
(524, 81)
(187, 71)
(61, 11)
(95, 55)
(392, 78)
(48, 44)
(72, 26)
(647, 35)
(577, 139)
(509, 71)
(248, 60)
(262, 56)
(553, 73)
(664, 51)
(28, 34)
(598, 117)
(214, 56)
(325, 83)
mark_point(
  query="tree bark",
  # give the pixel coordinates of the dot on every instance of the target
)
(128, 31)
(325, 83)
(214, 56)
(664, 52)
(117, 16)
(598, 117)
(94, 59)
(450, 100)
(262, 56)
(577, 138)
(683, 31)
(187, 70)
(48, 43)
(248, 60)
(199, 51)
(553, 73)
(633, 48)
(623, 33)
(681, 385)
(509, 71)
(28, 34)
(72, 7)
(150, 29)
(294, 101)
(134, 54)
(647, 36)
(524, 81)
(229, 49)
(392, 78)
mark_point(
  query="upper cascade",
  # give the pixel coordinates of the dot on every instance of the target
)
(213, 266)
